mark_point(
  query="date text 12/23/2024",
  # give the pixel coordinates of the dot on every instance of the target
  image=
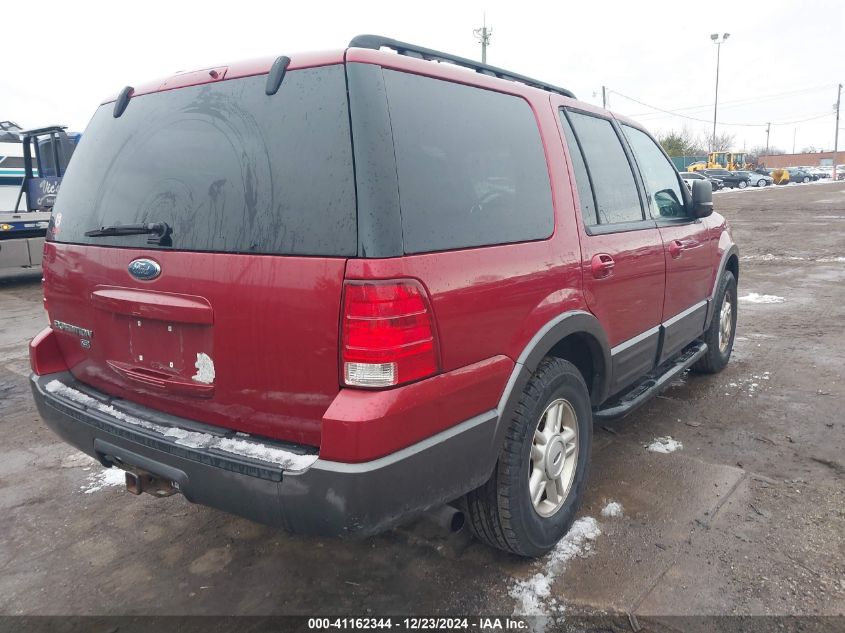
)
(420, 623)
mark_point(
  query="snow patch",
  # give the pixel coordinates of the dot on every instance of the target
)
(753, 297)
(193, 439)
(750, 383)
(613, 509)
(205, 369)
(831, 260)
(533, 596)
(664, 445)
(104, 479)
(769, 257)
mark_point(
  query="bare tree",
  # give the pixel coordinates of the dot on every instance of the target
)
(680, 143)
(724, 142)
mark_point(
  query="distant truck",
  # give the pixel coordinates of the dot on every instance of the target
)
(33, 163)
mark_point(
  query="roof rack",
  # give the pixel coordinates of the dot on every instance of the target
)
(411, 50)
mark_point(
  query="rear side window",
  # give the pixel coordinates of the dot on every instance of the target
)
(470, 165)
(227, 167)
(661, 179)
(616, 196)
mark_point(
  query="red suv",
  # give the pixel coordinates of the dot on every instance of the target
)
(332, 291)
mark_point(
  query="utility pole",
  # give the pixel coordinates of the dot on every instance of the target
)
(483, 35)
(768, 129)
(718, 43)
(794, 132)
(836, 136)
(604, 97)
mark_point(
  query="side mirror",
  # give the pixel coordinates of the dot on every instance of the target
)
(702, 198)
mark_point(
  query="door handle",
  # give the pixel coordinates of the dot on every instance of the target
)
(676, 247)
(602, 265)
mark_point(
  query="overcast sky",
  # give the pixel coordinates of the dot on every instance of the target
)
(781, 63)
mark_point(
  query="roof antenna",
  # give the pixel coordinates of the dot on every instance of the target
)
(276, 74)
(122, 101)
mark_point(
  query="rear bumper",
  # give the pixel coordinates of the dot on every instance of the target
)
(328, 498)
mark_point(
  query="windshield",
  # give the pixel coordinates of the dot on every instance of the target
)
(226, 167)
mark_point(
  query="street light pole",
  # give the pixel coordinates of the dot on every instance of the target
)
(718, 42)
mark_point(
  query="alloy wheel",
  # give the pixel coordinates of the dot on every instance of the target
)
(725, 324)
(554, 457)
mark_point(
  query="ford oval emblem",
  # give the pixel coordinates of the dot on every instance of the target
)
(144, 269)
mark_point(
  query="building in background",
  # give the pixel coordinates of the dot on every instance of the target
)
(808, 159)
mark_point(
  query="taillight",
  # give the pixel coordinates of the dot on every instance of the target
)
(388, 334)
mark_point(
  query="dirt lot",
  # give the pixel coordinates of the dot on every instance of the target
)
(748, 518)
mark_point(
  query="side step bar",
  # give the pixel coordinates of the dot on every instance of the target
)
(652, 384)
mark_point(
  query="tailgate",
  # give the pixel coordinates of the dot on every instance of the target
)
(244, 342)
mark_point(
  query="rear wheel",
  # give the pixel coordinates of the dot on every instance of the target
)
(742, 184)
(805, 179)
(531, 499)
(720, 335)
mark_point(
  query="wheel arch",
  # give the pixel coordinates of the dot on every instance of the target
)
(576, 336)
(732, 264)
(729, 261)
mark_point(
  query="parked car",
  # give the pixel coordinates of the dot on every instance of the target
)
(690, 176)
(333, 336)
(730, 179)
(755, 179)
(799, 175)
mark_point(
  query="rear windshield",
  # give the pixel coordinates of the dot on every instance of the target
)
(227, 167)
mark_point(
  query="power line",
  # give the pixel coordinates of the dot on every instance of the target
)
(812, 118)
(748, 100)
(683, 116)
(691, 118)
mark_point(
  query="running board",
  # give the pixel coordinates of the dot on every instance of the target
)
(652, 384)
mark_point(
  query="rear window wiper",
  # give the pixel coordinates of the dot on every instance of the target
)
(159, 232)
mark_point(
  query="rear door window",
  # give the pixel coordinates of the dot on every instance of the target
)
(617, 198)
(470, 165)
(582, 176)
(661, 180)
(227, 167)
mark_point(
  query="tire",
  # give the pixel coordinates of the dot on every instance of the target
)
(501, 512)
(761, 183)
(805, 179)
(742, 184)
(718, 355)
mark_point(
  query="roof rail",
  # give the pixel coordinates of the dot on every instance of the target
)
(411, 50)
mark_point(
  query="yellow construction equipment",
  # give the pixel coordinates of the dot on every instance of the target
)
(781, 176)
(732, 161)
